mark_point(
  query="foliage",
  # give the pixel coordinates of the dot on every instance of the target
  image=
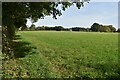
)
(80, 29)
(102, 28)
(23, 28)
(112, 28)
(58, 28)
(76, 29)
(6, 43)
(118, 30)
(95, 27)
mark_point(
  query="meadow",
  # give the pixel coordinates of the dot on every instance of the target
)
(59, 54)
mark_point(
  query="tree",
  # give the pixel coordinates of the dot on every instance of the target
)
(58, 28)
(95, 27)
(75, 29)
(102, 28)
(15, 15)
(118, 30)
(107, 29)
(112, 28)
(24, 28)
(39, 28)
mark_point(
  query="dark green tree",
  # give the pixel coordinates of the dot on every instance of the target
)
(23, 28)
(118, 30)
(95, 27)
(58, 28)
(75, 28)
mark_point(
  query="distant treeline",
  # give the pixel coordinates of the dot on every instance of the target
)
(94, 28)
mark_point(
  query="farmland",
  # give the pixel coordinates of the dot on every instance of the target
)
(61, 54)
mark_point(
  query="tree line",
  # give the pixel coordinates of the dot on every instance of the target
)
(96, 27)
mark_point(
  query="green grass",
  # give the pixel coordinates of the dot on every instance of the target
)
(66, 54)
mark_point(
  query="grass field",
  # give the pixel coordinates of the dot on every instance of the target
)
(64, 54)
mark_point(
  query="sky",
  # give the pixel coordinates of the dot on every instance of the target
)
(105, 13)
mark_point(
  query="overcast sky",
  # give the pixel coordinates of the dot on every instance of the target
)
(101, 12)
